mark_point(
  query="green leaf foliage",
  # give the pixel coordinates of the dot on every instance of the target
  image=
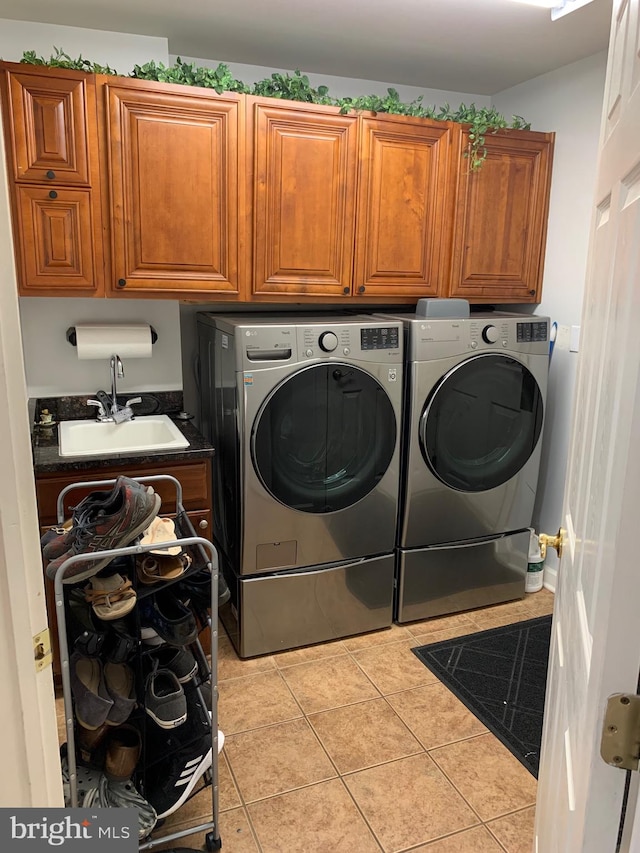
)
(296, 87)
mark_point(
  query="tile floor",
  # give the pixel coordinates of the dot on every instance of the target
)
(356, 746)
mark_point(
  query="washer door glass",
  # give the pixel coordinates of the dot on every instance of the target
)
(481, 423)
(324, 438)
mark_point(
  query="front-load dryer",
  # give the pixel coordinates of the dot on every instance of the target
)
(304, 414)
(473, 418)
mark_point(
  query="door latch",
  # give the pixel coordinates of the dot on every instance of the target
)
(620, 743)
(42, 653)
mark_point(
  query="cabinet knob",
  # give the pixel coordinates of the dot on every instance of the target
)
(345, 289)
(50, 174)
(532, 293)
(361, 289)
(203, 524)
(122, 282)
(53, 194)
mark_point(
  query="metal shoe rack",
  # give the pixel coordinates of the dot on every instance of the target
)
(210, 557)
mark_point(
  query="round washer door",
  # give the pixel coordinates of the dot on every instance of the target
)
(324, 438)
(481, 423)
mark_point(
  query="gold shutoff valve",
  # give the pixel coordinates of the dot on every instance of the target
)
(547, 541)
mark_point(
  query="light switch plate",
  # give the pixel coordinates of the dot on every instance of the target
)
(574, 343)
(563, 337)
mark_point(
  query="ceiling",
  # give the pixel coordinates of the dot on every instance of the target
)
(473, 46)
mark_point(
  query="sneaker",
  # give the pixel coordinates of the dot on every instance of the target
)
(105, 526)
(117, 794)
(54, 546)
(172, 620)
(177, 761)
(180, 661)
(164, 699)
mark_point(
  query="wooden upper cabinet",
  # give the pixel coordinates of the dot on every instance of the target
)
(52, 154)
(174, 156)
(305, 166)
(49, 128)
(404, 207)
(501, 219)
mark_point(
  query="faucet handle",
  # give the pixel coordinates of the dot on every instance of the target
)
(133, 400)
(101, 413)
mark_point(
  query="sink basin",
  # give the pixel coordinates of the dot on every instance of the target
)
(91, 438)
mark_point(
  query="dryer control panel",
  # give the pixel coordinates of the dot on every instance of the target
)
(442, 337)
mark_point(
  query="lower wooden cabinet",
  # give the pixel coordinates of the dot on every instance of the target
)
(194, 477)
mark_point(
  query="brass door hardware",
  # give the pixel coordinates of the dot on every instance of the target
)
(42, 654)
(547, 541)
(620, 742)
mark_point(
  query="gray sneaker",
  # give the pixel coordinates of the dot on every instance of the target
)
(164, 699)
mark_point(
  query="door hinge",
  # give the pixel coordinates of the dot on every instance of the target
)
(42, 653)
(620, 743)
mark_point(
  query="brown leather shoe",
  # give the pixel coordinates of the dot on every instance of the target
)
(123, 753)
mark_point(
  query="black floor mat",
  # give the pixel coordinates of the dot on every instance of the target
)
(500, 675)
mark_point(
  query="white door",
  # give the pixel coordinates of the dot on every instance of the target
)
(596, 631)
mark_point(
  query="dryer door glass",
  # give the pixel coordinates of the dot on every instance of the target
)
(324, 438)
(481, 423)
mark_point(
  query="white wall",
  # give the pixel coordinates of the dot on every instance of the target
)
(349, 87)
(51, 363)
(569, 102)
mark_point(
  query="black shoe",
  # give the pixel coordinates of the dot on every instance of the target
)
(177, 760)
(87, 633)
(169, 617)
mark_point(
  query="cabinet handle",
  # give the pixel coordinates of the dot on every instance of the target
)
(53, 194)
(203, 524)
(532, 293)
(122, 282)
(361, 289)
(50, 174)
(345, 289)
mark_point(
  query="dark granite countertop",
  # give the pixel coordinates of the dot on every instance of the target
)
(44, 440)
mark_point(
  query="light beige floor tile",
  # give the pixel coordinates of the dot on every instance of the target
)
(487, 775)
(515, 831)
(477, 840)
(446, 634)
(317, 819)
(540, 603)
(516, 610)
(409, 802)
(309, 653)
(435, 715)
(272, 760)
(377, 638)
(359, 736)
(442, 623)
(235, 833)
(487, 620)
(231, 666)
(257, 700)
(327, 684)
(394, 667)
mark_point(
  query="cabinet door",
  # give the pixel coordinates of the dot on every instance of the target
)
(501, 220)
(48, 125)
(55, 237)
(174, 189)
(404, 207)
(304, 198)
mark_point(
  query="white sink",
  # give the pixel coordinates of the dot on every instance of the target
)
(91, 438)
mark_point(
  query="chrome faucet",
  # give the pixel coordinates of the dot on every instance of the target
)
(108, 408)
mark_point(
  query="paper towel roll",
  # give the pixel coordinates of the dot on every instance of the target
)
(99, 340)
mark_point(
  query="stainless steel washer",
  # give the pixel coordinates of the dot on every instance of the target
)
(473, 420)
(304, 413)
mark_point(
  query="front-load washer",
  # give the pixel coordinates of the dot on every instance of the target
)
(304, 414)
(473, 417)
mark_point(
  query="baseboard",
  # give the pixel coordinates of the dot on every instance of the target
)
(550, 579)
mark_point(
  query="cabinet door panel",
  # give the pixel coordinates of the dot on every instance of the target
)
(404, 208)
(304, 200)
(501, 220)
(174, 185)
(56, 239)
(49, 129)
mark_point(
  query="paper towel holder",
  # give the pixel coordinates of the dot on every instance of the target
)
(71, 335)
